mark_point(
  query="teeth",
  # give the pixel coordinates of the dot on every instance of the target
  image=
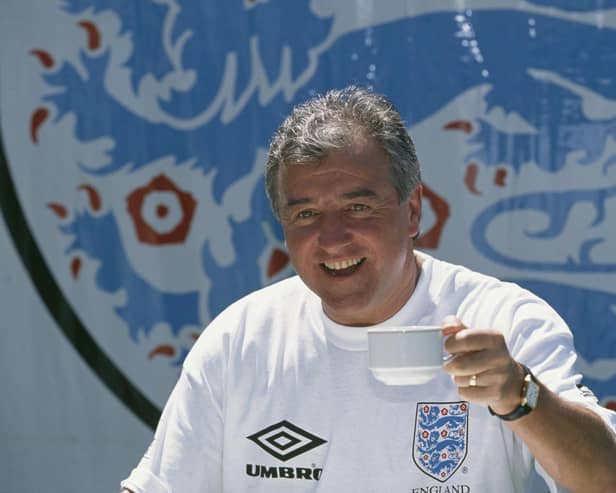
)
(344, 264)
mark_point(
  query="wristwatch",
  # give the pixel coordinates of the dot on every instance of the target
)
(528, 401)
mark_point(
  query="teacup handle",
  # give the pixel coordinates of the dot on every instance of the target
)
(445, 355)
(447, 332)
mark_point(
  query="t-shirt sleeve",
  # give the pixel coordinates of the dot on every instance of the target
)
(186, 452)
(541, 340)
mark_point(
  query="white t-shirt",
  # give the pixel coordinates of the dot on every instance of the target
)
(275, 397)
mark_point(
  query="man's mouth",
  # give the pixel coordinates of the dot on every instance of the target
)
(342, 267)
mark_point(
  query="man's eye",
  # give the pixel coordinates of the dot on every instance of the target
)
(305, 214)
(359, 207)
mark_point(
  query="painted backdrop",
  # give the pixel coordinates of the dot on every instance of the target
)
(134, 136)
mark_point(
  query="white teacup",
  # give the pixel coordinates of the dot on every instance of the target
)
(406, 355)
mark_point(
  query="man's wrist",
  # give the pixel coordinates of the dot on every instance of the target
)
(509, 404)
(529, 395)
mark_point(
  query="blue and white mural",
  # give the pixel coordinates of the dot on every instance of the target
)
(135, 136)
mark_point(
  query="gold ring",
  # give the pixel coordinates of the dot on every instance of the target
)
(472, 382)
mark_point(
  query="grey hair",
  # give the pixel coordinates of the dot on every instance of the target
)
(331, 122)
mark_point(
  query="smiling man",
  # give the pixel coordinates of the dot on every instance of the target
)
(348, 234)
(277, 396)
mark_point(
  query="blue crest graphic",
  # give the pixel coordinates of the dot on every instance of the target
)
(440, 438)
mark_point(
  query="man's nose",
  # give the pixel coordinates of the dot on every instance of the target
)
(334, 231)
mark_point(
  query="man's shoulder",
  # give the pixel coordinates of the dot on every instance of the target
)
(461, 282)
(255, 319)
(273, 295)
(484, 300)
(449, 275)
(265, 303)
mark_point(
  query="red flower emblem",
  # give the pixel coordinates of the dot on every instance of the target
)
(161, 212)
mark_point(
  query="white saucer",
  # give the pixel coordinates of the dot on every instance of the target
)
(405, 376)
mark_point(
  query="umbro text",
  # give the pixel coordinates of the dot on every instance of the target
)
(280, 472)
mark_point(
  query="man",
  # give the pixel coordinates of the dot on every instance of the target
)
(276, 395)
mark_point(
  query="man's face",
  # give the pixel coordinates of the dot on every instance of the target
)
(348, 237)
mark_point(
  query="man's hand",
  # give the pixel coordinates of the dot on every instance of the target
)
(482, 367)
(572, 443)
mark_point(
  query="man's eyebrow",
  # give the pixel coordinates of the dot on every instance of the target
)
(353, 194)
(361, 192)
(293, 202)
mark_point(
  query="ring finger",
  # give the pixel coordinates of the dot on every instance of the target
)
(484, 379)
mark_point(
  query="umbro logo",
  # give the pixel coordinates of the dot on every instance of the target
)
(284, 440)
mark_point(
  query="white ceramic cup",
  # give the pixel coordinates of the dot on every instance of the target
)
(409, 355)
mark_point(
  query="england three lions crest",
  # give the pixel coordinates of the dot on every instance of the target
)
(440, 438)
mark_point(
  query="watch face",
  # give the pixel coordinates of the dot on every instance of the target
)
(532, 394)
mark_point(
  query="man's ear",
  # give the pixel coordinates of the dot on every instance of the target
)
(414, 204)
